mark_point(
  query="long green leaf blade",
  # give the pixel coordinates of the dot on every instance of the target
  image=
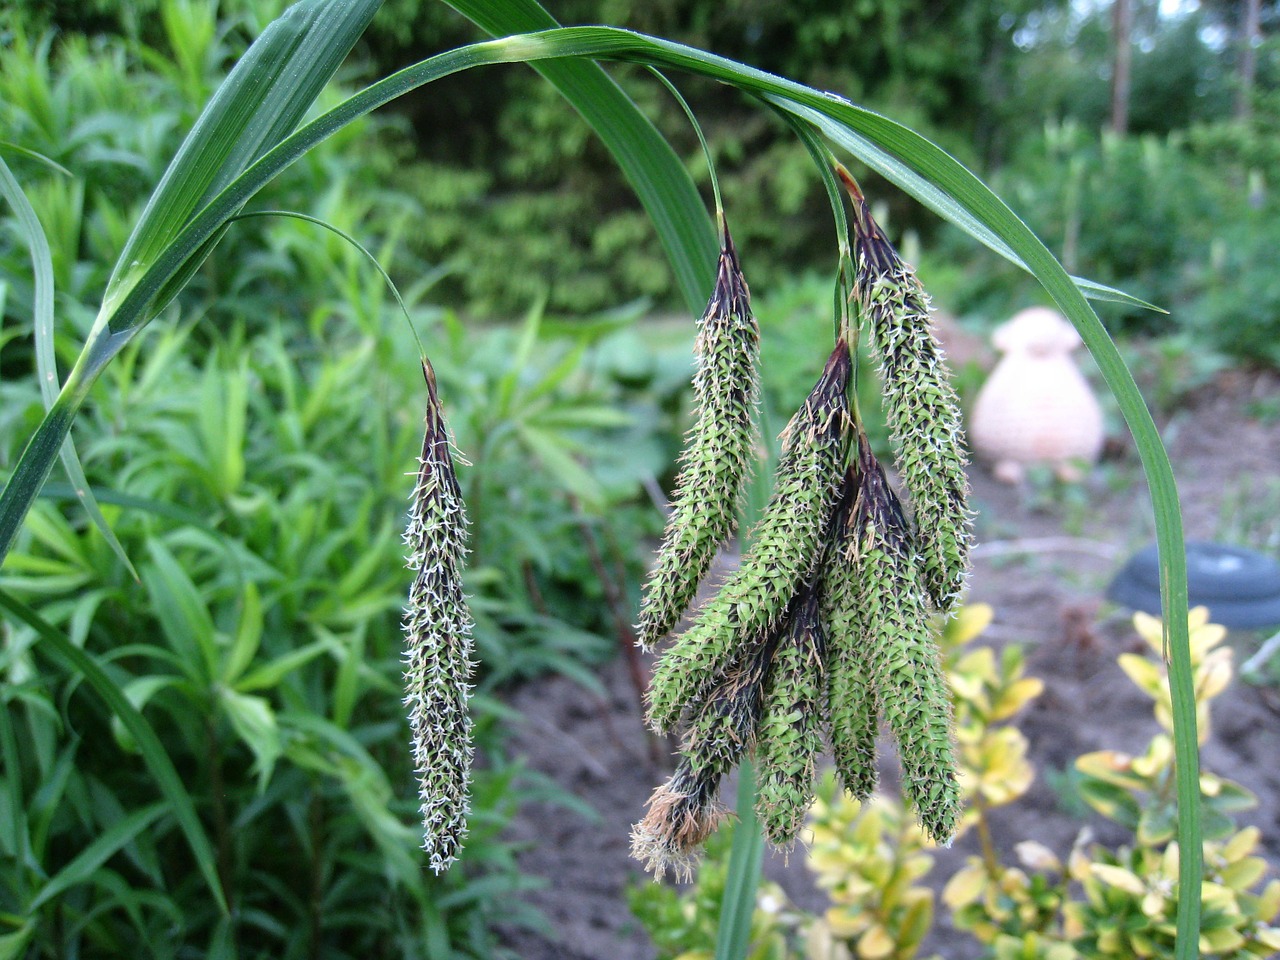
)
(82, 867)
(733, 936)
(262, 100)
(46, 364)
(933, 197)
(153, 754)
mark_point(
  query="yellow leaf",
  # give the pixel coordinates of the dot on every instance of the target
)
(1036, 856)
(846, 923)
(875, 943)
(1119, 878)
(1269, 902)
(1241, 844)
(1146, 676)
(1150, 629)
(1153, 904)
(1243, 874)
(968, 622)
(1017, 695)
(966, 885)
(1268, 937)
(1224, 940)
(1214, 674)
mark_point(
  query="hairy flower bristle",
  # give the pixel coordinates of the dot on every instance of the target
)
(786, 549)
(717, 457)
(852, 705)
(681, 814)
(790, 733)
(920, 405)
(905, 663)
(437, 627)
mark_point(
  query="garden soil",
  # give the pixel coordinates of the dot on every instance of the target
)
(1045, 557)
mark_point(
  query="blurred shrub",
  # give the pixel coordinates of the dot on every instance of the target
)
(1238, 307)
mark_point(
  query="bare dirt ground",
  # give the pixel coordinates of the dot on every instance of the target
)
(1043, 564)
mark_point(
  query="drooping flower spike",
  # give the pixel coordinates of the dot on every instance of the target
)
(790, 734)
(920, 403)
(718, 453)
(787, 547)
(906, 669)
(438, 647)
(852, 706)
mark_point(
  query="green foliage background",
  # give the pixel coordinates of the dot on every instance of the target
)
(520, 202)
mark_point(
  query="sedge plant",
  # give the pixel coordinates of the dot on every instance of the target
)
(252, 129)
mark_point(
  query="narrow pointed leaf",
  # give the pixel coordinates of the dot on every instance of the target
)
(177, 798)
(46, 365)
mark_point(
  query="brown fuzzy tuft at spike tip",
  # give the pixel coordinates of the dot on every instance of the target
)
(920, 404)
(905, 663)
(437, 627)
(682, 814)
(787, 548)
(716, 462)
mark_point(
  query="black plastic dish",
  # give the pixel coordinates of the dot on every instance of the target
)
(1240, 587)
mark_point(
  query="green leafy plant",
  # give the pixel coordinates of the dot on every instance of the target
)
(249, 133)
(1129, 894)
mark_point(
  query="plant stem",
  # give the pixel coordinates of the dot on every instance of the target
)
(221, 825)
(989, 858)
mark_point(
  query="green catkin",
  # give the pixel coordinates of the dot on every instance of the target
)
(788, 544)
(437, 628)
(682, 813)
(723, 727)
(718, 451)
(790, 732)
(905, 663)
(851, 696)
(920, 404)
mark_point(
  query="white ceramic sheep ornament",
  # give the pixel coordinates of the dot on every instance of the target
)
(1036, 407)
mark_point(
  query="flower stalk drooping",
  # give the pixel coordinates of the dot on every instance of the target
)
(830, 619)
(437, 627)
(718, 451)
(920, 404)
(904, 659)
(788, 545)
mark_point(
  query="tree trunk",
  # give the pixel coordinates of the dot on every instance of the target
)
(1250, 32)
(1122, 49)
